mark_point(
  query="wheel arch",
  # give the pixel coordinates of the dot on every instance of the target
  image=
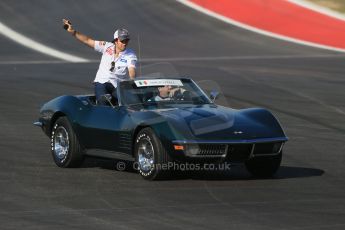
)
(54, 118)
(161, 130)
(135, 133)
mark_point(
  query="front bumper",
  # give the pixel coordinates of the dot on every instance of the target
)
(230, 150)
(38, 123)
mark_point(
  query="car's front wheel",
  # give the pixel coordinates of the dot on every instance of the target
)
(65, 147)
(152, 159)
(264, 166)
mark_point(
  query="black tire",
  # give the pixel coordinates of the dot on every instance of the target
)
(264, 166)
(65, 147)
(160, 158)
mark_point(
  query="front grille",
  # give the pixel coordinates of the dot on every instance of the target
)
(233, 152)
(239, 152)
(207, 150)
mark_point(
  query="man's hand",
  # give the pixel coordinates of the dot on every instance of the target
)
(176, 91)
(67, 25)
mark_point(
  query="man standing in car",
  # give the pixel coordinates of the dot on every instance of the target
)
(118, 62)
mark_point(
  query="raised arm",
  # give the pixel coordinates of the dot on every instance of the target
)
(79, 36)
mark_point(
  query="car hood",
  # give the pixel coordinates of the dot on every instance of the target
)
(212, 122)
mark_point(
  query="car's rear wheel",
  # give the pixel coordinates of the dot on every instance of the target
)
(65, 147)
(152, 159)
(264, 166)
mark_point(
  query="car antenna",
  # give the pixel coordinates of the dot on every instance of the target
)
(139, 58)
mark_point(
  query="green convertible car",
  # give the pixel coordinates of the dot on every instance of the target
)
(143, 126)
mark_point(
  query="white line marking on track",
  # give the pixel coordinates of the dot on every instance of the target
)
(254, 29)
(254, 57)
(183, 59)
(32, 62)
(29, 43)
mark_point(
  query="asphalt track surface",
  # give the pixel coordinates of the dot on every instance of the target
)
(303, 86)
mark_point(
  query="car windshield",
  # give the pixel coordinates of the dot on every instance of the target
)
(161, 91)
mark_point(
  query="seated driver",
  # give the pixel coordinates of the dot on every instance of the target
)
(167, 92)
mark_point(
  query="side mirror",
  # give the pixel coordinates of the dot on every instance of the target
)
(213, 95)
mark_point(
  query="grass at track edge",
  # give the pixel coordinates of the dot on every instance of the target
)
(336, 5)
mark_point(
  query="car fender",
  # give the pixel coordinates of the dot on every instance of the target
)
(69, 106)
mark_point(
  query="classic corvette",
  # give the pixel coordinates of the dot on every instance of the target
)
(185, 126)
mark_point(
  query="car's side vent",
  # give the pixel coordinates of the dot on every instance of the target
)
(125, 140)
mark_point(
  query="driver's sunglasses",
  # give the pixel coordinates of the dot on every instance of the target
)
(125, 41)
(112, 66)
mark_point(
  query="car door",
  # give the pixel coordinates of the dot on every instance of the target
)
(102, 127)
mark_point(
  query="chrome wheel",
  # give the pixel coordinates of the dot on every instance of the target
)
(61, 143)
(146, 155)
(151, 156)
